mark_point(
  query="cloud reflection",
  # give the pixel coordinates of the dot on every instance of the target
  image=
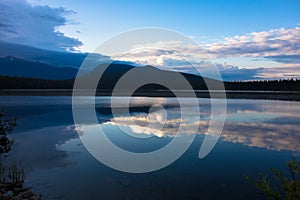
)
(264, 135)
(258, 125)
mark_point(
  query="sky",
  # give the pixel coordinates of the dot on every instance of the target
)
(257, 39)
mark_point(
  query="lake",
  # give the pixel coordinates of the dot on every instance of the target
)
(258, 135)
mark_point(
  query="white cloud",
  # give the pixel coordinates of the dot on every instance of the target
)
(275, 42)
(286, 71)
(173, 58)
(36, 26)
(279, 45)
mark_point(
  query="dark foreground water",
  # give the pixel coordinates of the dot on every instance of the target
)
(258, 135)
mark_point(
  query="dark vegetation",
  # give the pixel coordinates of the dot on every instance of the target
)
(280, 186)
(11, 176)
(265, 85)
(9, 82)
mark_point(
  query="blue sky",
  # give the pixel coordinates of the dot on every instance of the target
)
(205, 19)
(248, 39)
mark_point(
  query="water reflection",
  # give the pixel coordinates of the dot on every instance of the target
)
(46, 122)
(253, 124)
(258, 135)
(39, 134)
(264, 135)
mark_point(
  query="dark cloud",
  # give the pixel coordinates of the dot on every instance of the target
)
(36, 26)
(230, 72)
(285, 58)
(239, 74)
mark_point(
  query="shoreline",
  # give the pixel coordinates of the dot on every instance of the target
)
(268, 95)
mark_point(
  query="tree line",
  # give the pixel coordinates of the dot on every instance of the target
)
(8, 82)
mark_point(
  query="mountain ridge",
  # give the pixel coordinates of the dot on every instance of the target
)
(54, 58)
(12, 66)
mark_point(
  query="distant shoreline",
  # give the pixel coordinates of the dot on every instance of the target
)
(271, 95)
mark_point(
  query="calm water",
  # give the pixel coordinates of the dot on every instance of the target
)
(258, 135)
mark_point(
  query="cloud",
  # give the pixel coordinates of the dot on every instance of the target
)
(36, 26)
(281, 45)
(286, 71)
(230, 72)
(152, 56)
(188, 60)
(285, 58)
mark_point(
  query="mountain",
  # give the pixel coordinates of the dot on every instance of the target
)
(54, 58)
(9, 82)
(41, 76)
(115, 71)
(11, 66)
